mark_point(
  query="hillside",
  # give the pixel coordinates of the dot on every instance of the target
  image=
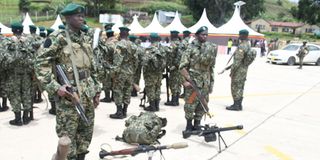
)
(278, 12)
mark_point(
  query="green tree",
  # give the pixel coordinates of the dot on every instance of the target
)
(308, 11)
(24, 6)
(220, 11)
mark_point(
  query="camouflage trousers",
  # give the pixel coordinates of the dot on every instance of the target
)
(69, 123)
(238, 80)
(122, 87)
(107, 82)
(3, 84)
(301, 61)
(137, 75)
(153, 85)
(20, 91)
(192, 107)
(175, 81)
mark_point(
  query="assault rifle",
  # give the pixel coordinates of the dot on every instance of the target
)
(209, 133)
(63, 80)
(141, 149)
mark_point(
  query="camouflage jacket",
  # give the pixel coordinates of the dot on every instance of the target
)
(173, 54)
(303, 51)
(104, 53)
(35, 41)
(199, 60)
(239, 55)
(154, 60)
(59, 52)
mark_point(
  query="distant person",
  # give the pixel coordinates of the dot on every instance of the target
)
(262, 47)
(229, 46)
(303, 51)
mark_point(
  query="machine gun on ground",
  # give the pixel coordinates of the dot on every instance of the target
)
(63, 80)
(209, 133)
(141, 149)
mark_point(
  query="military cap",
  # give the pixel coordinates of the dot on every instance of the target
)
(108, 26)
(186, 32)
(72, 9)
(124, 28)
(201, 29)
(132, 37)
(42, 29)
(33, 27)
(174, 32)
(154, 35)
(243, 32)
(61, 26)
(16, 25)
(49, 31)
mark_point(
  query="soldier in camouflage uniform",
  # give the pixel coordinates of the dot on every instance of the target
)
(183, 47)
(125, 62)
(198, 61)
(303, 51)
(3, 76)
(239, 71)
(140, 52)
(19, 59)
(154, 63)
(173, 62)
(72, 49)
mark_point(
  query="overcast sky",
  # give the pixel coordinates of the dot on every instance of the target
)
(294, 1)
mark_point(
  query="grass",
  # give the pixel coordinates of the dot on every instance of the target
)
(277, 12)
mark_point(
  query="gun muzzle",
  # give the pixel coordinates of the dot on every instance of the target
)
(103, 153)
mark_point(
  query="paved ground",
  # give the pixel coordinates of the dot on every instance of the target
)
(280, 119)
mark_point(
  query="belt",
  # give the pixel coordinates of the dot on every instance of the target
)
(83, 74)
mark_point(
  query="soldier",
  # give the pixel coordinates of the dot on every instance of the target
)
(154, 63)
(3, 77)
(303, 51)
(173, 62)
(125, 62)
(198, 63)
(19, 63)
(71, 48)
(183, 46)
(239, 70)
(42, 33)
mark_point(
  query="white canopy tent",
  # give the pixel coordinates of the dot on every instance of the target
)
(175, 25)
(135, 26)
(56, 23)
(26, 22)
(154, 26)
(5, 29)
(203, 21)
(235, 24)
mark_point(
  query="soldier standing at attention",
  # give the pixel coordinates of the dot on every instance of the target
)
(19, 63)
(183, 47)
(71, 48)
(125, 62)
(3, 76)
(173, 62)
(239, 70)
(198, 63)
(154, 63)
(303, 51)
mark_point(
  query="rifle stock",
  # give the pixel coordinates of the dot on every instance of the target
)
(73, 95)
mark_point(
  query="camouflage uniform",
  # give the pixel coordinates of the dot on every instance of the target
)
(137, 75)
(68, 121)
(303, 51)
(154, 63)
(3, 76)
(199, 60)
(125, 62)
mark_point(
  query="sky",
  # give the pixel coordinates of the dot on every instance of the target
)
(294, 1)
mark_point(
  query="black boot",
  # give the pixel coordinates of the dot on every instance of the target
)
(107, 97)
(157, 103)
(134, 93)
(17, 120)
(152, 107)
(52, 110)
(189, 128)
(26, 119)
(236, 106)
(118, 114)
(124, 110)
(81, 156)
(4, 106)
(39, 96)
(174, 101)
(196, 125)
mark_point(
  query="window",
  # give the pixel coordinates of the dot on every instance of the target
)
(309, 30)
(291, 47)
(274, 29)
(262, 27)
(313, 48)
(285, 29)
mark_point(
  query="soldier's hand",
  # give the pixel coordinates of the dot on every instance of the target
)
(62, 91)
(96, 100)
(187, 84)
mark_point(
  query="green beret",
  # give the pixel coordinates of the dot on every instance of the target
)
(124, 28)
(174, 32)
(61, 26)
(49, 31)
(108, 26)
(32, 27)
(243, 32)
(72, 9)
(42, 29)
(16, 25)
(132, 37)
(109, 31)
(201, 29)
(154, 35)
(186, 32)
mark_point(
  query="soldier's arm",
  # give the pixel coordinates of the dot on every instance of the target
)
(238, 57)
(215, 51)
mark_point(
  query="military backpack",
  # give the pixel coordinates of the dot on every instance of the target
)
(144, 129)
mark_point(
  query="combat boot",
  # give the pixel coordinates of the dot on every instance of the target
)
(39, 97)
(107, 97)
(196, 125)
(189, 128)
(236, 106)
(52, 110)
(17, 120)
(134, 93)
(81, 156)
(157, 104)
(124, 110)
(152, 107)
(4, 106)
(26, 119)
(118, 114)
(174, 101)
